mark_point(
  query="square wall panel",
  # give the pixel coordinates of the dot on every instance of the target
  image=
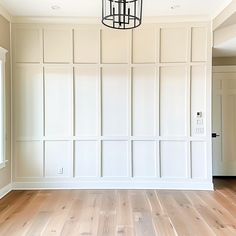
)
(27, 45)
(58, 158)
(173, 104)
(86, 101)
(144, 159)
(115, 46)
(28, 101)
(144, 45)
(29, 159)
(86, 159)
(86, 45)
(199, 44)
(58, 101)
(115, 159)
(115, 101)
(174, 44)
(173, 159)
(144, 90)
(199, 160)
(58, 45)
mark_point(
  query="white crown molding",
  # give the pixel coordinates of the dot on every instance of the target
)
(96, 20)
(5, 13)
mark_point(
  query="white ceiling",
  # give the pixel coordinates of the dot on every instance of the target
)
(226, 49)
(92, 8)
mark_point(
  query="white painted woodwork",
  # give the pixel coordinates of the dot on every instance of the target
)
(145, 36)
(173, 104)
(86, 45)
(224, 110)
(174, 44)
(115, 101)
(144, 158)
(114, 159)
(86, 159)
(86, 101)
(112, 109)
(58, 155)
(115, 46)
(28, 101)
(27, 45)
(29, 161)
(58, 101)
(173, 159)
(199, 44)
(57, 45)
(144, 104)
(198, 160)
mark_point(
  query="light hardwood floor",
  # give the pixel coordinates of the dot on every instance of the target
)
(121, 212)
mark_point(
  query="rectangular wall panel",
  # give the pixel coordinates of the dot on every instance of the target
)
(198, 100)
(173, 159)
(173, 101)
(115, 46)
(115, 159)
(199, 44)
(86, 159)
(86, 45)
(28, 101)
(199, 160)
(29, 159)
(115, 101)
(86, 101)
(174, 44)
(144, 159)
(27, 45)
(144, 103)
(58, 45)
(145, 36)
(58, 159)
(58, 101)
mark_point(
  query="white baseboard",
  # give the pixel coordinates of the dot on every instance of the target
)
(5, 190)
(113, 185)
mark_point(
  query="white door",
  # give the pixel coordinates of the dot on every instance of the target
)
(224, 122)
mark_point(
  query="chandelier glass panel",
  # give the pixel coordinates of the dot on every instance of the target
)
(122, 14)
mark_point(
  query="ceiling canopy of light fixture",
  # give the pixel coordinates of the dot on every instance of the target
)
(122, 14)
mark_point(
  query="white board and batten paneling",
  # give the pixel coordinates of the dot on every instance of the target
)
(97, 108)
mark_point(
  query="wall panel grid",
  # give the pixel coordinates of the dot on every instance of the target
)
(95, 104)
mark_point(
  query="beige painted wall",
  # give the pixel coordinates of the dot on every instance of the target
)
(224, 61)
(5, 174)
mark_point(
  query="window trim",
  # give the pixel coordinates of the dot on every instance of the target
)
(3, 53)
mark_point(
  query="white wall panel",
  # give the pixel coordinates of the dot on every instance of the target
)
(58, 155)
(58, 45)
(145, 36)
(115, 101)
(144, 103)
(199, 160)
(29, 159)
(115, 46)
(28, 101)
(198, 90)
(86, 45)
(28, 45)
(199, 44)
(86, 101)
(174, 44)
(144, 159)
(114, 159)
(58, 101)
(173, 159)
(86, 159)
(173, 101)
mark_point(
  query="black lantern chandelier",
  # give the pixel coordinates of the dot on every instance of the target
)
(122, 14)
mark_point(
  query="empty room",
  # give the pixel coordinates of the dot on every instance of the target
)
(117, 117)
